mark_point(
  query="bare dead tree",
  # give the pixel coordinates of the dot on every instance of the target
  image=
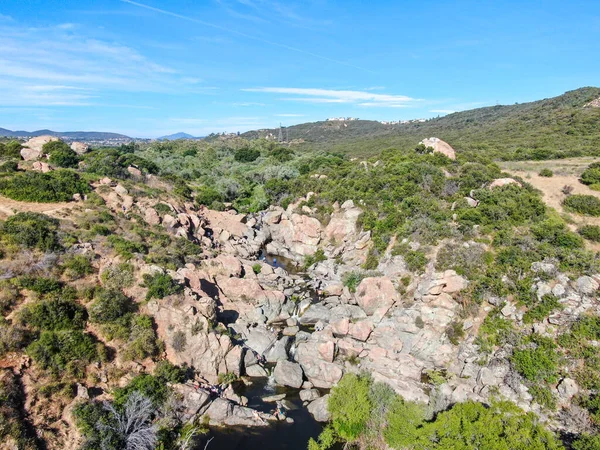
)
(133, 425)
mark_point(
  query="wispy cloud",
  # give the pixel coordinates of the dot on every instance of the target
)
(62, 65)
(244, 35)
(360, 98)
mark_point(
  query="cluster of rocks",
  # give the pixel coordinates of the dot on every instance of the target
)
(33, 149)
(239, 315)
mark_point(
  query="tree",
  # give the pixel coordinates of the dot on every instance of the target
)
(61, 154)
(131, 426)
(350, 406)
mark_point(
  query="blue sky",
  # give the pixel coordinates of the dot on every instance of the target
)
(152, 67)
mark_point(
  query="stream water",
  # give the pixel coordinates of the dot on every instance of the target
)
(280, 435)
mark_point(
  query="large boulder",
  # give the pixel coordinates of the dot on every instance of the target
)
(224, 412)
(439, 146)
(499, 182)
(342, 225)
(189, 338)
(318, 409)
(376, 294)
(288, 373)
(32, 149)
(79, 147)
(297, 235)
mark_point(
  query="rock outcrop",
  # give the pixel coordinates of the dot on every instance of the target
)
(439, 146)
(80, 147)
(32, 149)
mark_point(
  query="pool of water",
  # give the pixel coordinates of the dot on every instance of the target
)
(289, 265)
(280, 435)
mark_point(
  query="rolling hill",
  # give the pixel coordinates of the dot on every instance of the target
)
(72, 135)
(567, 124)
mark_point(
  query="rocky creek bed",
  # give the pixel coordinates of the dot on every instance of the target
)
(247, 316)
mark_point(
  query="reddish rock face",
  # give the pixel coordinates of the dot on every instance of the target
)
(376, 293)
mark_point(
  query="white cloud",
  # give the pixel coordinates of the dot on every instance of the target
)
(63, 65)
(442, 111)
(360, 98)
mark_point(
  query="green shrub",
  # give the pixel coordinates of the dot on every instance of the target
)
(256, 268)
(546, 173)
(543, 309)
(142, 342)
(471, 426)
(590, 232)
(583, 204)
(56, 350)
(40, 285)
(59, 185)
(124, 247)
(350, 406)
(56, 186)
(352, 279)
(160, 285)
(31, 230)
(118, 276)
(537, 361)
(10, 149)
(543, 395)
(109, 306)
(9, 166)
(318, 257)
(591, 175)
(246, 155)
(77, 266)
(170, 372)
(53, 314)
(150, 386)
(61, 154)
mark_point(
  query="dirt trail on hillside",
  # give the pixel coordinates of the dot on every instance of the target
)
(551, 187)
(9, 207)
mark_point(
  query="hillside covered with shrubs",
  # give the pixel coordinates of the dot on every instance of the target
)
(119, 308)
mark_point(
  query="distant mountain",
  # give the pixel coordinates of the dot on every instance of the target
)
(175, 136)
(567, 123)
(72, 135)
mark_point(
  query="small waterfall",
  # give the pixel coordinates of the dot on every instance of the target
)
(271, 385)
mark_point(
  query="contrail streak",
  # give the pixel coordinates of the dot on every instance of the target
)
(242, 34)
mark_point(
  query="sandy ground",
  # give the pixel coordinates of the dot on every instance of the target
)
(566, 172)
(9, 207)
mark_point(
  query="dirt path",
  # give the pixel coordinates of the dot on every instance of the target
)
(566, 172)
(9, 207)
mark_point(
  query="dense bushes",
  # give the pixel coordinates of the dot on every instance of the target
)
(160, 285)
(53, 314)
(591, 175)
(60, 154)
(546, 173)
(113, 163)
(583, 204)
(56, 186)
(590, 232)
(365, 413)
(11, 149)
(57, 351)
(31, 230)
(246, 155)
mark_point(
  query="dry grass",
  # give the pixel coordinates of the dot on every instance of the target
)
(566, 172)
